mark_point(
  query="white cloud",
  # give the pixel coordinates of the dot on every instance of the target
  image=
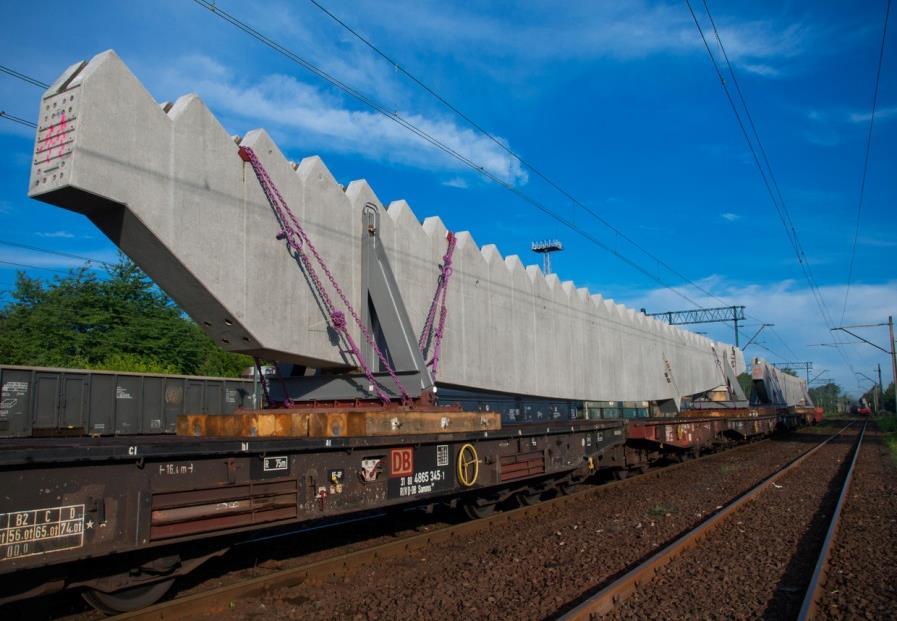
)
(792, 308)
(762, 70)
(877, 242)
(731, 217)
(297, 113)
(56, 234)
(456, 182)
(823, 137)
(881, 114)
(582, 30)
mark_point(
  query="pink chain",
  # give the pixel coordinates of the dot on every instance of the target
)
(446, 271)
(296, 238)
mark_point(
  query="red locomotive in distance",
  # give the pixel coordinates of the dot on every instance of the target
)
(861, 408)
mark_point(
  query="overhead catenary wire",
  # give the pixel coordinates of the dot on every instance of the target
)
(23, 77)
(776, 197)
(516, 156)
(39, 267)
(69, 255)
(529, 165)
(477, 126)
(17, 119)
(399, 119)
(504, 147)
(28, 79)
(775, 333)
(766, 175)
(856, 230)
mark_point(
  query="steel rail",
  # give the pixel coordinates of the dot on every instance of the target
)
(816, 588)
(615, 593)
(190, 606)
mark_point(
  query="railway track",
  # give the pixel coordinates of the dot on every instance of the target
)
(192, 605)
(613, 596)
(817, 583)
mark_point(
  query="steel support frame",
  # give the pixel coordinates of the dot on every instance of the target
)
(384, 314)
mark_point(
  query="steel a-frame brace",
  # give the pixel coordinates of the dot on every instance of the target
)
(383, 313)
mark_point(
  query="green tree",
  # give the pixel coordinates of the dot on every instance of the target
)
(746, 383)
(118, 321)
(826, 397)
(887, 399)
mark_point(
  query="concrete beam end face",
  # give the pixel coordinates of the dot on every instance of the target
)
(51, 165)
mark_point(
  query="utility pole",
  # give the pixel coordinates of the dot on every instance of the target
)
(893, 352)
(891, 343)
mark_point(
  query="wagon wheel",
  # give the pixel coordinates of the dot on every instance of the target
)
(527, 498)
(126, 600)
(565, 488)
(475, 512)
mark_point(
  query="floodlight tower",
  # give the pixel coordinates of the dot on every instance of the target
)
(545, 248)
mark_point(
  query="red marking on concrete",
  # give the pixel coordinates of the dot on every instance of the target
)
(56, 137)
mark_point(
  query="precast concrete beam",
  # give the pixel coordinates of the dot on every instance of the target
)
(165, 184)
(781, 388)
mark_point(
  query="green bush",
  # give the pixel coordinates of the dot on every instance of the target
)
(117, 320)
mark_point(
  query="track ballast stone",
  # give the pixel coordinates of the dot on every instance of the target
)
(536, 566)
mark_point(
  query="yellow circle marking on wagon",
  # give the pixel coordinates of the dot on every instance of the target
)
(468, 465)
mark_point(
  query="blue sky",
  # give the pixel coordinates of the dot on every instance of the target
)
(616, 102)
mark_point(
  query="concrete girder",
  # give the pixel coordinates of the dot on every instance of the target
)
(166, 185)
(781, 388)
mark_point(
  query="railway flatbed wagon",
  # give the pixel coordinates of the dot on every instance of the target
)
(689, 434)
(134, 502)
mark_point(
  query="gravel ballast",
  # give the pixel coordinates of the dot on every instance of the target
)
(862, 581)
(541, 563)
(758, 563)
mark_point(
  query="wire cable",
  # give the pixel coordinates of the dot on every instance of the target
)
(526, 163)
(766, 175)
(56, 252)
(397, 118)
(856, 231)
(16, 119)
(38, 267)
(24, 78)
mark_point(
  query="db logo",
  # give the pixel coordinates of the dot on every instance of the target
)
(401, 462)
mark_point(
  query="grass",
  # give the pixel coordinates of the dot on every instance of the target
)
(888, 426)
(659, 511)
